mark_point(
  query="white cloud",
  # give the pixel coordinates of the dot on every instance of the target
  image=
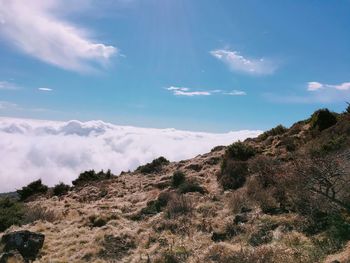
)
(239, 63)
(5, 85)
(191, 93)
(172, 88)
(37, 30)
(182, 91)
(236, 93)
(315, 86)
(59, 151)
(317, 93)
(44, 89)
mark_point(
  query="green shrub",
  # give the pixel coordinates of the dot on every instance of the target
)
(60, 189)
(155, 206)
(278, 130)
(31, 189)
(233, 174)
(322, 119)
(347, 108)
(239, 151)
(154, 167)
(11, 213)
(91, 176)
(191, 187)
(177, 179)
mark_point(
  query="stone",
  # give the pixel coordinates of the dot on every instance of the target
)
(25, 242)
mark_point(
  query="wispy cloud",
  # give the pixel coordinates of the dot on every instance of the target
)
(5, 85)
(236, 93)
(4, 105)
(315, 86)
(45, 89)
(316, 92)
(239, 63)
(183, 91)
(37, 30)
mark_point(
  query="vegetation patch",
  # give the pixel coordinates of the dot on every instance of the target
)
(61, 189)
(32, 189)
(278, 130)
(323, 119)
(91, 176)
(11, 213)
(185, 186)
(116, 247)
(153, 167)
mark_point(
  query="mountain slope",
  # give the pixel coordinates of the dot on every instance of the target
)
(211, 211)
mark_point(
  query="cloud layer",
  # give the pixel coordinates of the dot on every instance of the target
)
(59, 151)
(36, 30)
(182, 91)
(239, 63)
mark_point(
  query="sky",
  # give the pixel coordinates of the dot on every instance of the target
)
(198, 65)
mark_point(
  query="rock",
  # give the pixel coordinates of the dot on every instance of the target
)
(11, 257)
(25, 242)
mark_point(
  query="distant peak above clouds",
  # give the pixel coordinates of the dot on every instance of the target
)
(35, 29)
(59, 151)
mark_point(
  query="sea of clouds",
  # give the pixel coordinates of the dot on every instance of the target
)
(58, 151)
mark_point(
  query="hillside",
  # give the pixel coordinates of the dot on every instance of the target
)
(281, 197)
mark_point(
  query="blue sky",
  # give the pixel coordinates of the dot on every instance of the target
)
(186, 64)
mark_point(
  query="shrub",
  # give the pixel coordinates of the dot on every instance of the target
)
(155, 206)
(278, 130)
(191, 187)
(91, 176)
(114, 248)
(154, 167)
(347, 108)
(178, 205)
(34, 188)
(233, 174)
(38, 212)
(322, 119)
(61, 189)
(178, 178)
(11, 213)
(239, 151)
(97, 221)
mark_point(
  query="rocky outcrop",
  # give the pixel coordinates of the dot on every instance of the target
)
(26, 243)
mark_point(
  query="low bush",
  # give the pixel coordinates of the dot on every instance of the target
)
(239, 151)
(278, 130)
(323, 119)
(156, 206)
(233, 174)
(34, 188)
(61, 189)
(38, 212)
(97, 221)
(191, 187)
(177, 179)
(178, 205)
(114, 248)
(11, 213)
(91, 176)
(153, 167)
